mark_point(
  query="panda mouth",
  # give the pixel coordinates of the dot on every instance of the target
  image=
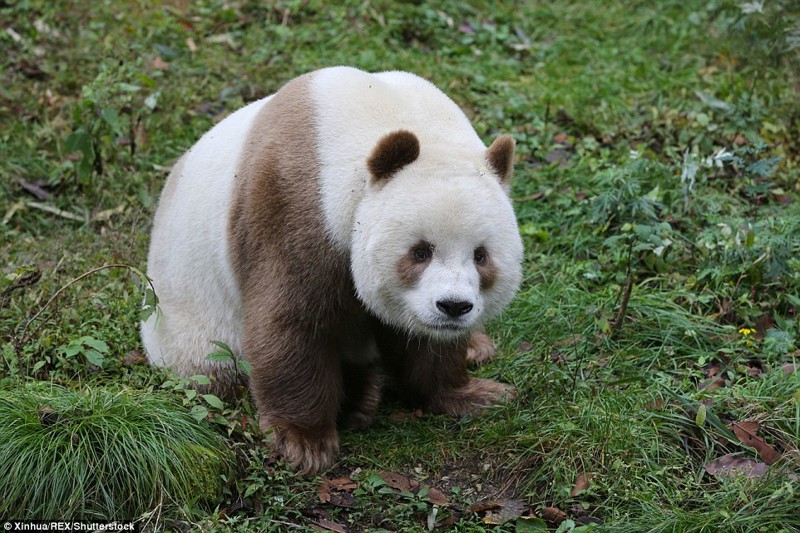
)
(447, 328)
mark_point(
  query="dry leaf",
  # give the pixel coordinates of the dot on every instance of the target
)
(324, 491)
(713, 379)
(763, 323)
(553, 515)
(746, 432)
(190, 44)
(437, 497)
(482, 507)
(732, 465)
(159, 64)
(581, 484)
(337, 492)
(399, 482)
(324, 524)
(509, 510)
(344, 484)
(534, 196)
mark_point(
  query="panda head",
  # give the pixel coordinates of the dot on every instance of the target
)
(436, 250)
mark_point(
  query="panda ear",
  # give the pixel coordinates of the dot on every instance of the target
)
(393, 152)
(500, 157)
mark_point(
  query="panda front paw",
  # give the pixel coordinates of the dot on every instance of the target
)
(480, 349)
(310, 451)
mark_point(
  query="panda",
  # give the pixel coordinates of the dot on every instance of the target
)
(349, 229)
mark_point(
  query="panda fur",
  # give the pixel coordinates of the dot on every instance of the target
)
(346, 218)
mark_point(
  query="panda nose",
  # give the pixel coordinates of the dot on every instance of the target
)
(454, 308)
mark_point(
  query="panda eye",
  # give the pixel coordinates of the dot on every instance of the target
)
(480, 255)
(422, 252)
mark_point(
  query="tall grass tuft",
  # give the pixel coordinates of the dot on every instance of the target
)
(102, 453)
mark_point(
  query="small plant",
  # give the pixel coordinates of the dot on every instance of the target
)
(102, 454)
(107, 115)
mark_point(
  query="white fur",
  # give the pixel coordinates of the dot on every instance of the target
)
(356, 109)
(454, 209)
(188, 262)
(447, 197)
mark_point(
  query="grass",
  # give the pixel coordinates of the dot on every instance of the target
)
(619, 109)
(102, 454)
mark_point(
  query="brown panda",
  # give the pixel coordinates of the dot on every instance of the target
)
(347, 218)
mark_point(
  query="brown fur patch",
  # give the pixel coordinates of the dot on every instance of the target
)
(500, 157)
(481, 348)
(299, 299)
(311, 450)
(433, 373)
(487, 270)
(410, 267)
(393, 152)
(362, 388)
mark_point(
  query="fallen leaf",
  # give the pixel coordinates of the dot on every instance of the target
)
(746, 432)
(581, 484)
(344, 484)
(731, 465)
(324, 491)
(324, 524)
(508, 510)
(190, 44)
(554, 515)
(482, 507)
(524, 347)
(534, 196)
(399, 482)
(159, 64)
(437, 497)
(763, 323)
(711, 384)
(466, 27)
(337, 492)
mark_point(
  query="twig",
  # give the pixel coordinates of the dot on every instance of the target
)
(56, 211)
(623, 306)
(626, 294)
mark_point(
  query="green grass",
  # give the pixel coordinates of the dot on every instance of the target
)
(618, 109)
(102, 454)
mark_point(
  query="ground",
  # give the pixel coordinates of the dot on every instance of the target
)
(654, 342)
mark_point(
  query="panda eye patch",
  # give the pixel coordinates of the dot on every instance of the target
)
(480, 255)
(422, 252)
